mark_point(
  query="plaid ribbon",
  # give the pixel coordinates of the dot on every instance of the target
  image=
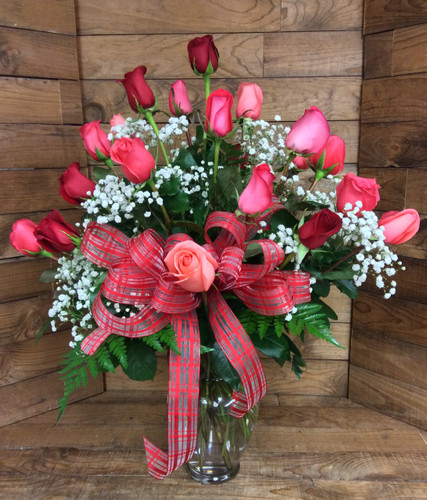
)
(137, 275)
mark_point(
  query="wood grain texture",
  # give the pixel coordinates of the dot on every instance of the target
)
(392, 182)
(400, 99)
(177, 16)
(36, 54)
(71, 102)
(378, 47)
(41, 146)
(282, 54)
(24, 274)
(44, 15)
(317, 15)
(393, 144)
(384, 15)
(388, 395)
(410, 50)
(416, 191)
(166, 56)
(397, 318)
(339, 98)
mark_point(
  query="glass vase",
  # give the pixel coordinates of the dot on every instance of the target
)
(221, 438)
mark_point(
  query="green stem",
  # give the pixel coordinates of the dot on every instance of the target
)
(191, 225)
(343, 259)
(288, 258)
(207, 79)
(216, 158)
(150, 119)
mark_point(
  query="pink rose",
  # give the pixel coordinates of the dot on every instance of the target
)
(249, 101)
(218, 113)
(74, 186)
(301, 163)
(315, 232)
(136, 162)
(310, 133)
(400, 226)
(53, 233)
(203, 55)
(334, 155)
(117, 120)
(22, 237)
(353, 188)
(192, 265)
(95, 138)
(178, 99)
(138, 92)
(258, 194)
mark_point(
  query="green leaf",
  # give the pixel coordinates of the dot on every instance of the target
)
(348, 287)
(101, 172)
(185, 160)
(273, 346)
(170, 187)
(325, 309)
(177, 203)
(142, 361)
(283, 217)
(222, 367)
(48, 276)
(322, 288)
(340, 274)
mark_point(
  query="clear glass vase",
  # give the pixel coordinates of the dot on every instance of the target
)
(221, 438)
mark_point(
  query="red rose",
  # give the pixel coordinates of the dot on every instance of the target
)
(319, 227)
(258, 194)
(178, 99)
(334, 155)
(310, 133)
(353, 188)
(95, 138)
(249, 101)
(53, 233)
(400, 226)
(138, 92)
(203, 55)
(22, 237)
(136, 162)
(74, 186)
(218, 113)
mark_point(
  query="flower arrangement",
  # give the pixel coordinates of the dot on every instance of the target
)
(209, 237)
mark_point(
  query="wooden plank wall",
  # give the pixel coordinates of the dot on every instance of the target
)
(40, 110)
(301, 52)
(388, 370)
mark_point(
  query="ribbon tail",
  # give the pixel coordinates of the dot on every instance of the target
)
(183, 400)
(91, 343)
(237, 346)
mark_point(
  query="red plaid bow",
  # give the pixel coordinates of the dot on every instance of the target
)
(137, 275)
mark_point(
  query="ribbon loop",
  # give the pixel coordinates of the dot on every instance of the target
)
(102, 244)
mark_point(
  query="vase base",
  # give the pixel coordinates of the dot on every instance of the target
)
(213, 474)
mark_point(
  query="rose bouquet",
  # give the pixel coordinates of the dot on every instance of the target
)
(210, 237)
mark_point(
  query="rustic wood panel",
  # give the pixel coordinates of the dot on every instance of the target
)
(177, 16)
(312, 15)
(321, 57)
(44, 15)
(397, 318)
(390, 396)
(339, 98)
(410, 50)
(104, 57)
(24, 274)
(71, 102)
(38, 395)
(392, 182)
(416, 191)
(394, 99)
(25, 360)
(416, 247)
(393, 144)
(377, 352)
(43, 55)
(383, 15)
(378, 47)
(41, 146)
(22, 319)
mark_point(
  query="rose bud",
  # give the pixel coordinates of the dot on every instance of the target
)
(95, 138)
(334, 155)
(257, 195)
(192, 265)
(74, 186)
(138, 92)
(301, 163)
(22, 237)
(353, 188)
(310, 133)
(315, 232)
(218, 113)
(53, 233)
(203, 55)
(400, 226)
(179, 103)
(249, 101)
(136, 162)
(117, 120)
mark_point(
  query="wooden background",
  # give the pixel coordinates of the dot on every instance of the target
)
(388, 369)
